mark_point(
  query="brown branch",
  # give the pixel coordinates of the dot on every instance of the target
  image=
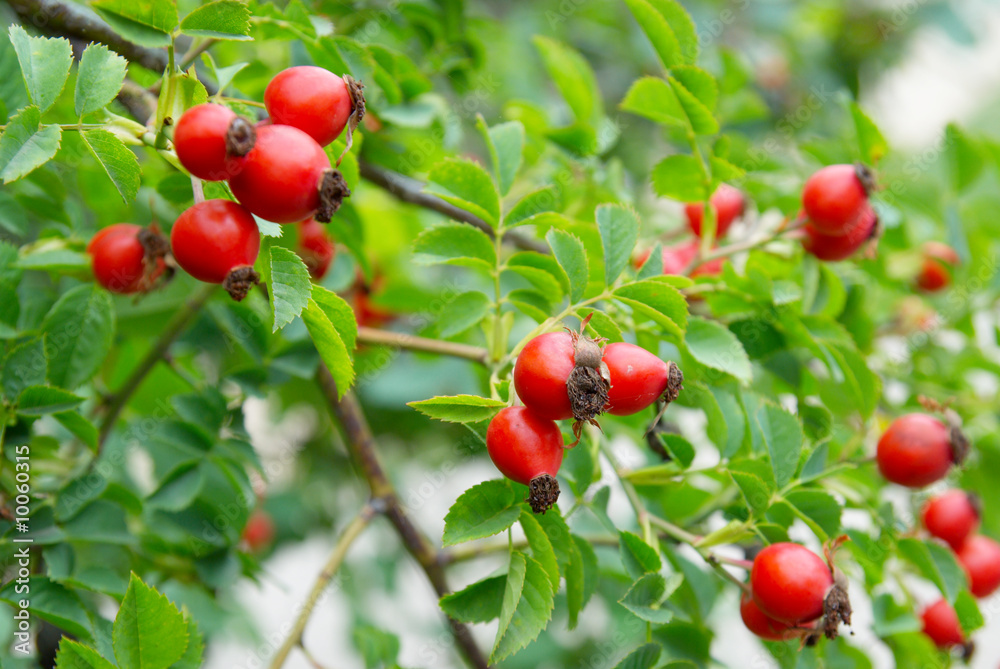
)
(362, 446)
(410, 342)
(412, 191)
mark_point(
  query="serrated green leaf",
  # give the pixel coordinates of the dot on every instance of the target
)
(754, 490)
(340, 314)
(39, 400)
(659, 301)
(290, 286)
(146, 22)
(732, 532)
(119, 163)
(462, 313)
(682, 26)
(871, 143)
(192, 658)
(573, 77)
(936, 563)
(541, 545)
(699, 83)
(505, 143)
(149, 631)
(965, 157)
(74, 655)
(24, 146)
(79, 329)
(222, 19)
(581, 583)
(25, 365)
(820, 508)
(601, 325)
(80, 427)
(45, 64)
(653, 266)
(543, 200)
(542, 270)
(619, 228)
(659, 32)
(179, 487)
(330, 345)
(455, 244)
(481, 511)
(478, 603)
(646, 596)
(680, 177)
(782, 435)
(572, 257)
(528, 602)
(643, 657)
(467, 186)
(459, 408)
(714, 346)
(223, 75)
(638, 557)
(653, 98)
(98, 79)
(969, 616)
(699, 114)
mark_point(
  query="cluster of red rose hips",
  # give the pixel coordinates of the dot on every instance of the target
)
(564, 375)
(839, 218)
(277, 169)
(918, 450)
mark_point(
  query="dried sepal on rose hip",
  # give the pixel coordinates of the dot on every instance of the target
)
(836, 605)
(210, 139)
(527, 449)
(589, 383)
(217, 241)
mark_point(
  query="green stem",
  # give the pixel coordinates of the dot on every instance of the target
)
(642, 514)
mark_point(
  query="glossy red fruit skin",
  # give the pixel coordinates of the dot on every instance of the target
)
(935, 274)
(832, 248)
(541, 372)
(638, 378)
(834, 199)
(116, 257)
(915, 451)
(728, 203)
(314, 100)
(790, 583)
(760, 624)
(279, 179)
(259, 530)
(200, 142)
(980, 556)
(524, 445)
(941, 624)
(317, 250)
(952, 517)
(214, 237)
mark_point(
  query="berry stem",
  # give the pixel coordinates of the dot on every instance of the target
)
(347, 537)
(367, 335)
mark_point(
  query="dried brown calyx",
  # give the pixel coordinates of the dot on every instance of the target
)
(866, 176)
(239, 281)
(836, 605)
(544, 493)
(240, 137)
(589, 382)
(355, 90)
(960, 445)
(332, 191)
(157, 263)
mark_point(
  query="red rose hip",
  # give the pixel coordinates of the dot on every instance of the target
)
(832, 248)
(940, 623)
(314, 100)
(834, 198)
(728, 204)
(316, 249)
(938, 264)
(210, 139)
(259, 531)
(527, 449)
(217, 241)
(952, 516)
(638, 378)
(918, 450)
(127, 258)
(980, 557)
(760, 624)
(790, 583)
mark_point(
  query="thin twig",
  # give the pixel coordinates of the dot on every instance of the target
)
(347, 537)
(410, 342)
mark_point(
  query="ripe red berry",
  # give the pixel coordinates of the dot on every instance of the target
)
(287, 178)
(127, 258)
(314, 100)
(210, 139)
(217, 241)
(840, 247)
(527, 449)
(916, 451)
(834, 198)
(939, 260)
(728, 203)
(941, 624)
(980, 557)
(638, 378)
(790, 583)
(259, 531)
(760, 624)
(952, 516)
(317, 250)
(677, 258)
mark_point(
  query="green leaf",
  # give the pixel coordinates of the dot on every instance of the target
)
(24, 147)
(645, 597)
(528, 601)
(79, 329)
(638, 557)
(149, 631)
(290, 286)
(39, 400)
(478, 603)
(119, 163)
(481, 511)
(459, 408)
(179, 487)
(192, 658)
(543, 200)
(872, 144)
(80, 427)
(713, 345)
(754, 491)
(223, 75)
(223, 19)
(619, 228)
(541, 545)
(821, 509)
(698, 112)
(340, 314)
(455, 244)
(98, 79)
(462, 313)
(505, 143)
(24, 366)
(54, 603)
(542, 270)
(467, 186)
(653, 98)
(969, 615)
(45, 64)
(936, 563)
(659, 32)
(657, 300)
(74, 655)
(601, 325)
(330, 345)
(782, 434)
(654, 263)
(644, 657)
(698, 83)
(146, 22)
(732, 532)
(573, 77)
(572, 257)
(965, 158)
(681, 178)
(682, 25)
